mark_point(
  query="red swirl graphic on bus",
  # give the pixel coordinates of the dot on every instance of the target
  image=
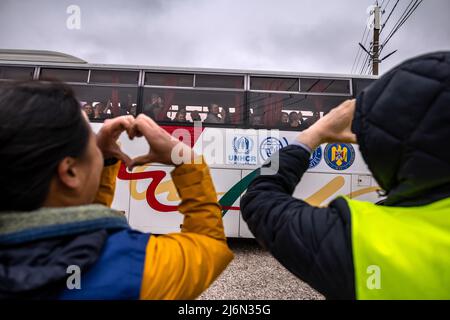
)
(158, 175)
(150, 194)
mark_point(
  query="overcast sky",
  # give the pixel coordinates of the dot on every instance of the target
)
(284, 35)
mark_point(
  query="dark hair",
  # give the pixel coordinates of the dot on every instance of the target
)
(41, 123)
(292, 114)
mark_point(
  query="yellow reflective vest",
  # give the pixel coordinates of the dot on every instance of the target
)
(401, 252)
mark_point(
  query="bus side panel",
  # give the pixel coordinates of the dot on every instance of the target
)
(317, 189)
(244, 231)
(364, 188)
(153, 203)
(121, 199)
(224, 180)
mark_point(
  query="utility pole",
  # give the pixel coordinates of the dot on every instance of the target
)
(374, 55)
(376, 40)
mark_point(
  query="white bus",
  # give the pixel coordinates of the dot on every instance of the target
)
(254, 106)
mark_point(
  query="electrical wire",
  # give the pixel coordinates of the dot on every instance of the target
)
(401, 21)
(389, 16)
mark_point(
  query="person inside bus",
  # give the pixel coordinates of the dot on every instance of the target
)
(155, 103)
(284, 120)
(180, 116)
(156, 109)
(195, 116)
(89, 110)
(213, 114)
(311, 120)
(354, 249)
(294, 120)
(127, 108)
(59, 237)
(101, 111)
(256, 120)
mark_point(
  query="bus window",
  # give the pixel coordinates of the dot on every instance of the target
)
(274, 84)
(107, 101)
(169, 79)
(16, 73)
(219, 81)
(325, 86)
(186, 106)
(288, 111)
(114, 77)
(66, 75)
(360, 84)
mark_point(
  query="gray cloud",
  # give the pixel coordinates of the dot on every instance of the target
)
(292, 35)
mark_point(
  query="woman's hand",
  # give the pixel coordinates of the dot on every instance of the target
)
(333, 127)
(163, 147)
(108, 135)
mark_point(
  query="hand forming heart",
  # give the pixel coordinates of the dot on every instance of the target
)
(163, 147)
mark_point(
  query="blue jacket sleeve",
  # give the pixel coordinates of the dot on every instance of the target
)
(313, 243)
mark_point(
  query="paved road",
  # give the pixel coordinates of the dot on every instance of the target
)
(255, 274)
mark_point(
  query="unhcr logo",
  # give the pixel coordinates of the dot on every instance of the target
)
(242, 147)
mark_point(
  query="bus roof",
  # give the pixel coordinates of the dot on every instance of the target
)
(53, 58)
(38, 56)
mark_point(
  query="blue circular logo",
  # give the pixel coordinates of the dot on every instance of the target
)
(271, 145)
(242, 145)
(339, 156)
(315, 158)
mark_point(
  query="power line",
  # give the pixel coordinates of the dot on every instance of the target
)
(400, 23)
(387, 5)
(401, 17)
(366, 62)
(365, 41)
(359, 53)
(389, 16)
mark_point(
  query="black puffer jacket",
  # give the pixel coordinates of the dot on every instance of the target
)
(402, 123)
(404, 118)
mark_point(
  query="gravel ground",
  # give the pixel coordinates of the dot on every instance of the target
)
(255, 274)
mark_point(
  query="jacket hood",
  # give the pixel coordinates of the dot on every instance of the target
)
(37, 247)
(402, 124)
(38, 269)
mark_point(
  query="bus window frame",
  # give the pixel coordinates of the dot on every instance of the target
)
(107, 85)
(194, 84)
(243, 124)
(328, 93)
(246, 90)
(167, 72)
(271, 77)
(19, 66)
(299, 78)
(221, 74)
(139, 71)
(207, 124)
(265, 127)
(40, 68)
